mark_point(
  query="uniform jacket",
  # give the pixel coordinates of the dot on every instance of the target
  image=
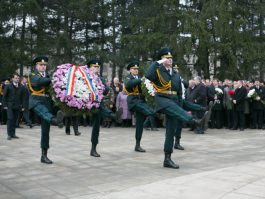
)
(130, 84)
(165, 100)
(38, 82)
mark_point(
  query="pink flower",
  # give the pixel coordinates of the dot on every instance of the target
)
(78, 102)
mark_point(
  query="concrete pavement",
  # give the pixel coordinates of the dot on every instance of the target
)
(219, 164)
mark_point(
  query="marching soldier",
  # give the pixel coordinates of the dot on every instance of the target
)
(169, 92)
(40, 103)
(137, 103)
(95, 64)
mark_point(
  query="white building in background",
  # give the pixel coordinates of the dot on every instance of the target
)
(26, 70)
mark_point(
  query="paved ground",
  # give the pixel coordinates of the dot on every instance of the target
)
(220, 164)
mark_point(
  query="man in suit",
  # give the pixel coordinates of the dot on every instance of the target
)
(41, 104)
(257, 106)
(13, 102)
(136, 102)
(167, 98)
(95, 65)
(26, 94)
(216, 119)
(239, 106)
(200, 98)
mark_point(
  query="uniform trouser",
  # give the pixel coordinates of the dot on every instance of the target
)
(141, 110)
(174, 115)
(188, 106)
(239, 119)
(150, 122)
(74, 121)
(44, 112)
(96, 118)
(257, 118)
(178, 129)
(12, 115)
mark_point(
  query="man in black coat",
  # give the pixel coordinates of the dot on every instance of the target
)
(257, 106)
(200, 98)
(216, 119)
(13, 102)
(239, 106)
(26, 94)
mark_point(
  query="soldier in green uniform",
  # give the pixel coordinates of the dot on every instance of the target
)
(40, 103)
(95, 64)
(167, 98)
(136, 102)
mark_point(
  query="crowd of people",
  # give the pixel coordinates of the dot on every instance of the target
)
(232, 109)
(197, 103)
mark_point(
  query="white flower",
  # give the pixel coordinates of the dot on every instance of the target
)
(218, 90)
(251, 93)
(149, 87)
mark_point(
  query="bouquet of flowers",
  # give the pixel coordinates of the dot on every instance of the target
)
(218, 91)
(148, 91)
(76, 89)
(231, 92)
(252, 94)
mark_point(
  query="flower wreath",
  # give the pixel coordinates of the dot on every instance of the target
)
(76, 89)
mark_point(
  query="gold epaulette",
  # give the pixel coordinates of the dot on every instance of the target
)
(166, 86)
(40, 92)
(135, 91)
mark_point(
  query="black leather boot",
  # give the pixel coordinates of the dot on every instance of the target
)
(138, 147)
(77, 133)
(93, 151)
(169, 163)
(58, 120)
(44, 158)
(177, 144)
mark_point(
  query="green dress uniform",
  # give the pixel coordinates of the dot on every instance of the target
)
(136, 103)
(100, 113)
(40, 103)
(167, 99)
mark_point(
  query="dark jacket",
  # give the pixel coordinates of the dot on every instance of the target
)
(218, 103)
(132, 85)
(190, 94)
(26, 94)
(240, 97)
(210, 93)
(200, 95)
(13, 97)
(257, 105)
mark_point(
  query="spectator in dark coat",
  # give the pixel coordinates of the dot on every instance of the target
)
(13, 102)
(200, 98)
(257, 106)
(239, 98)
